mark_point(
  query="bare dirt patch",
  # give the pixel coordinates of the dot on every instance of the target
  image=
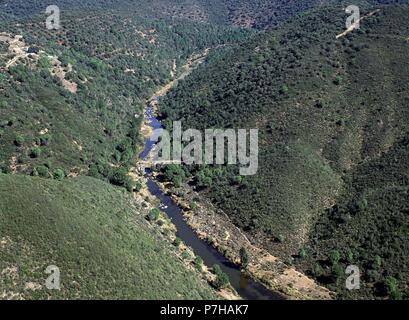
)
(33, 286)
(5, 242)
(17, 49)
(59, 71)
(10, 272)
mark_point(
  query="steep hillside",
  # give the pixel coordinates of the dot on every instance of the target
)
(259, 14)
(95, 234)
(262, 14)
(328, 110)
(72, 105)
(73, 99)
(214, 11)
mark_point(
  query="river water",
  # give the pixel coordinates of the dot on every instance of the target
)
(246, 287)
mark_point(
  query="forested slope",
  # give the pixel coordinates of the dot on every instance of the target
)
(258, 14)
(331, 189)
(76, 102)
(71, 105)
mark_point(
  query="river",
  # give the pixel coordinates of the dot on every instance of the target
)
(247, 288)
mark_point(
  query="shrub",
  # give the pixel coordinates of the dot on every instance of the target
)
(58, 174)
(222, 279)
(35, 152)
(302, 253)
(391, 285)
(153, 215)
(19, 141)
(177, 242)
(244, 258)
(41, 171)
(199, 263)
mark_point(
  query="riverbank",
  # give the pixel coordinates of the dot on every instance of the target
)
(215, 227)
(167, 230)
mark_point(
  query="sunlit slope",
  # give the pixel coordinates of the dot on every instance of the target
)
(95, 234)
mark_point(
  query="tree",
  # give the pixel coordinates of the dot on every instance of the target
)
(350, 256)
(302, 253)
(175, 174)
(41, 171)
(19, 141)
(244, 258)
(337, 271)
(58, 174)
(120, 177)
(204, 178)
(35, 152)
(377, 263)
(362, 205)
(237, 179)
(334, 257)
(222, 279)
(177, 242)
(129, 184)
(280, 238)
(45, 140)
(392, 289)
(153, 215)
(199, 263)
(284, 89)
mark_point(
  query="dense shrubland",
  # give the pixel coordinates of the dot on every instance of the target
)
(117, 62)
(258, 14)
(331, 189)
(332, 184)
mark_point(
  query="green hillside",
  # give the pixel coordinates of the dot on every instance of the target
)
(333, 120)
(332, 115)
(258, 14)
(95, 234)
(72, 107)
(78, 104)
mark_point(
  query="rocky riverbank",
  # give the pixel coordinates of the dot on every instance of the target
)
(215, 227)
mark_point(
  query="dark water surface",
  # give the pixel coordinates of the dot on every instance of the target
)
(246, 287)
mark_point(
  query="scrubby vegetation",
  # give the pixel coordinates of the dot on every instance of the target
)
(115, 62)
(72, 105)
(94, 234)
(333, 121)
(332, 184)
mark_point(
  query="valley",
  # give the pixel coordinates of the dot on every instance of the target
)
(220, 233)
(79, 188)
